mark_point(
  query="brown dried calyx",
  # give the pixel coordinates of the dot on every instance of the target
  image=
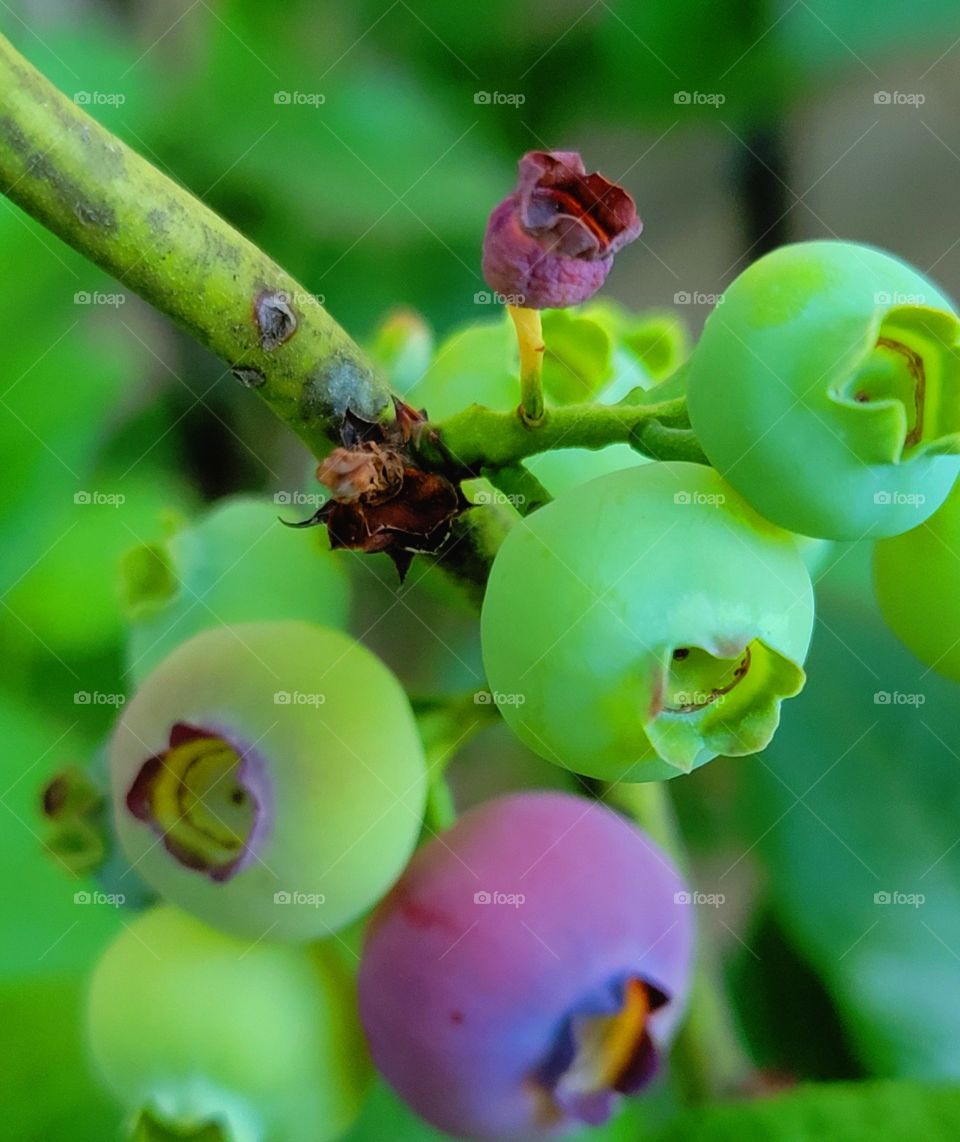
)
(380, 499)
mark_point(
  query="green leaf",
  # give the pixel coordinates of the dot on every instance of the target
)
(841, 1112)
(579, 357)
(853, 811)
(61, 922)
(385, 1116)
(49, 1094)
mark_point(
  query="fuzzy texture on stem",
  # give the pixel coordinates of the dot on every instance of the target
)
(156, 238)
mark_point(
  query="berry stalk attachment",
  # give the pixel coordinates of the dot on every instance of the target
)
(530, 343)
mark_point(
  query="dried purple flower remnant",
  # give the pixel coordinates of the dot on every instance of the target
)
(551, 243)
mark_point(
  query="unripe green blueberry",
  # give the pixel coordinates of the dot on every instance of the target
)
(235, 564)
(269, 778)
(198, 1027)
(917, 578)
(645, 622)
(826, 390)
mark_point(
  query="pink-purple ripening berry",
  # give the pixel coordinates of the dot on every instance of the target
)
(528, 969)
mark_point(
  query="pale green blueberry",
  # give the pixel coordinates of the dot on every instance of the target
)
(237, 563)
(645, 622)
(917, 579)
(826, 389)
(269, 777)
(197, 1028)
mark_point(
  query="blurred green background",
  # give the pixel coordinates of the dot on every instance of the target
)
(363, 144)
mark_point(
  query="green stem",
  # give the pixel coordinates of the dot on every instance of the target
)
(446, 725)
(482, 436)
(708, 1060)
(106, 201)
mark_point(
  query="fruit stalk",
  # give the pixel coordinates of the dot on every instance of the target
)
(529, 329)
(156, 238)
(708, 1061)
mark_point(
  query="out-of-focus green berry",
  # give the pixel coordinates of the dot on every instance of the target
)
(197, 1028)
(917, 578)
(269, 777)
(236, 564)
(402, 346)
(645, 622)
(826, 390)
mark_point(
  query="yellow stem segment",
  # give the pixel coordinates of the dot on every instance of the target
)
(530, 340)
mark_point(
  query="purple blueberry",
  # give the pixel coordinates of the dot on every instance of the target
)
(551, 243)
(528, 969)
